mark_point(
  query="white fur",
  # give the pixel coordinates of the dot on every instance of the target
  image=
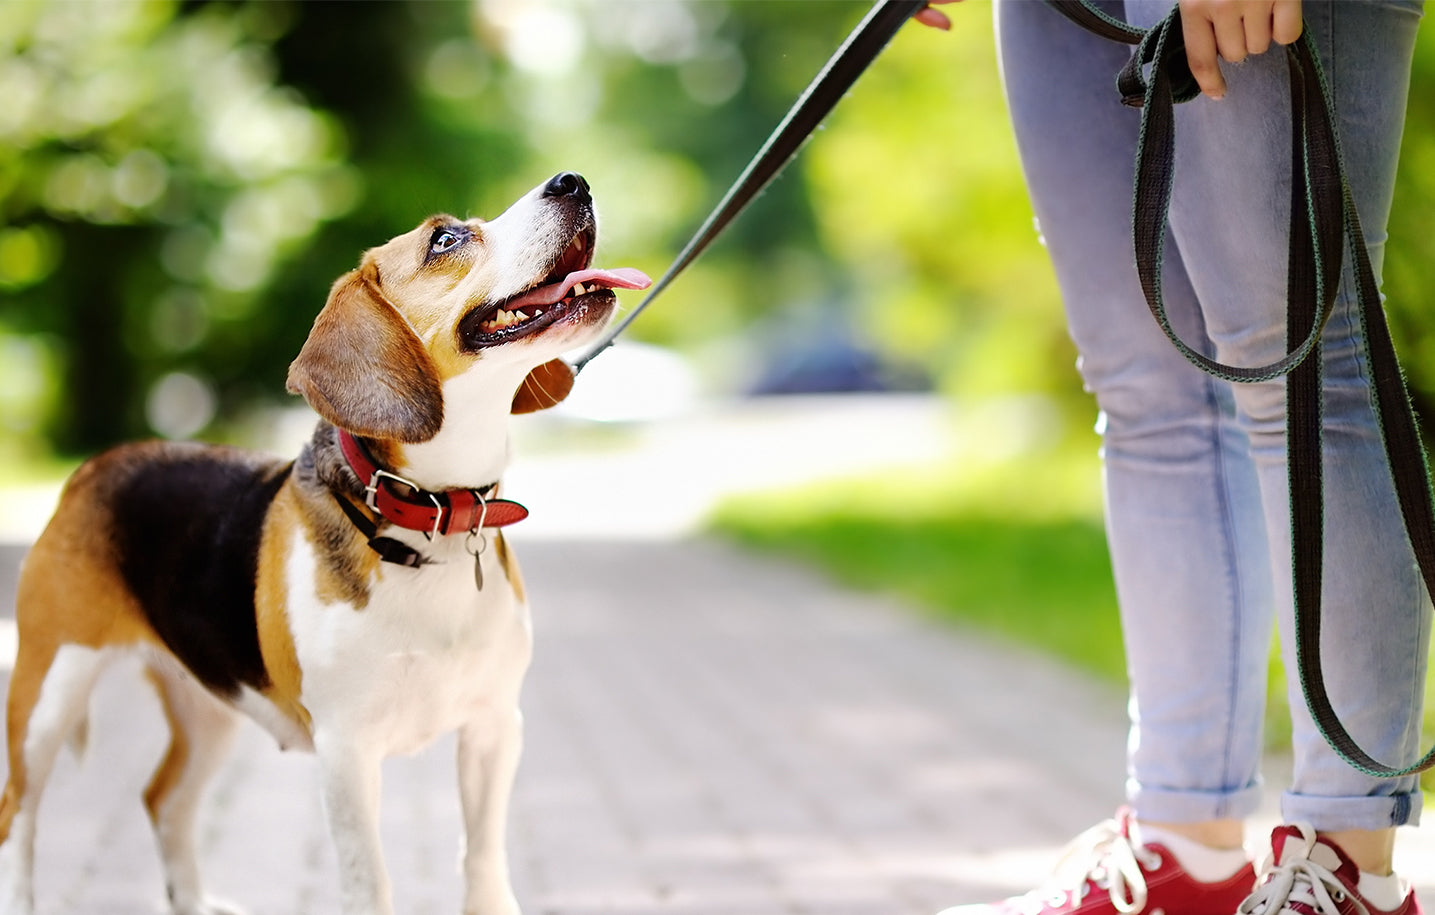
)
(208, 726)
(64, 696)
(427, 654)
(517, 246)
(466, 452)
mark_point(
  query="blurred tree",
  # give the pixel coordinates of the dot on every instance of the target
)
(923, 197)
(153, 177)
(181, 182)
(1410, 252)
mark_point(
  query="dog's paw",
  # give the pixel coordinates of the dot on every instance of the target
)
(497, 903)
(15, 894)
(209, 906)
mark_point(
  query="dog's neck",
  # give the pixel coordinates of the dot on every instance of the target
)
(468, 453)
(472, 449)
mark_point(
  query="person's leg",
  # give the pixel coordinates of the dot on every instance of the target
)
(1183, 516)
(1230, 220)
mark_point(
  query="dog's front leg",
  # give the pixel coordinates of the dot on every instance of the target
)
(488, 751)
(351, 773)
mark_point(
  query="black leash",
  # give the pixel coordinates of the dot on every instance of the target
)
(832, 82)
(1323, 221)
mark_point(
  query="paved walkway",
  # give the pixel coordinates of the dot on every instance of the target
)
(709, 733)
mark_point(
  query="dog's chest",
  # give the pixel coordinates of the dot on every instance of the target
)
(428, 653)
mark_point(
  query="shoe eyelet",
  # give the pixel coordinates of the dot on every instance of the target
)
(1338, 895)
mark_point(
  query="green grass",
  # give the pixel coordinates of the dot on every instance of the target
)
(1043, 582)
(1011, 545)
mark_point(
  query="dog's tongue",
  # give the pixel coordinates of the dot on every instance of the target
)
(621, 278)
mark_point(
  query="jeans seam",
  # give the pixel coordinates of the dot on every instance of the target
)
(1223, 499)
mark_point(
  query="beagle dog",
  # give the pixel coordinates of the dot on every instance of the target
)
(356, 602)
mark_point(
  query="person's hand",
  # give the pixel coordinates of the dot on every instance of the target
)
(1232, 29)
(931, 16)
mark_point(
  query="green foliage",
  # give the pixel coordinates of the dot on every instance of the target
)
(1044, 583)
(1411, 250)
(923, 200)
(180, 183)
(144, 210)
(1012, 544)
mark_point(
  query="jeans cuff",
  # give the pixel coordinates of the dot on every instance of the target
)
(1168, 805)
(1372, 812)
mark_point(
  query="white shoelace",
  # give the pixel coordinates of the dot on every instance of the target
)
(1101, 856)
(1298, 880)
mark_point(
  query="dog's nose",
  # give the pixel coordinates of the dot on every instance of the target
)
(568, 184)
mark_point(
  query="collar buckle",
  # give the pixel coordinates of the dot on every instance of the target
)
(371, 497)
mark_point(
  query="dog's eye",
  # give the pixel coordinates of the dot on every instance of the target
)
(444, 239)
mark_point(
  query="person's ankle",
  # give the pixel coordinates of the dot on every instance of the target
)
(1202, 861)
(1223, 834)
(1372, 850)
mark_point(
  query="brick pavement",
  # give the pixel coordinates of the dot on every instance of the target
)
(709, 733)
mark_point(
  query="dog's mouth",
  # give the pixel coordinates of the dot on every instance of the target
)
(570, 288)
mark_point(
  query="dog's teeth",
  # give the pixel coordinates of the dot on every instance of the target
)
(520, 316)
(537, 312)
(578, 289)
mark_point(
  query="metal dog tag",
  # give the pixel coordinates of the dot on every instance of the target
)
(477, 555)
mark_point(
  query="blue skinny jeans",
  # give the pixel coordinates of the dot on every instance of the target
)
(1197, 514)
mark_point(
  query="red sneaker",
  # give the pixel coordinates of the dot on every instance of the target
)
(1310, 875)
(1109, 874)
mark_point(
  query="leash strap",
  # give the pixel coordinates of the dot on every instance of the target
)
(832, 82)
(1323, 222)
(389, 549)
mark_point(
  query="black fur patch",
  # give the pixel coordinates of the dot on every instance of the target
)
(187, 528)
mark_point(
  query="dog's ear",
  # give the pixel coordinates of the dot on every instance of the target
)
(545, 386)
(365, 370)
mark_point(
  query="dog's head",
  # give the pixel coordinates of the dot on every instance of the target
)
(492, 303)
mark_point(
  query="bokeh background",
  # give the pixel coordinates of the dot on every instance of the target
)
(180, 182)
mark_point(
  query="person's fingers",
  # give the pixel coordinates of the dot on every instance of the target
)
(1230, 37)
(934, 18)
(1286, 23)
(1258, 34)
(1231, 31)
(1201, 52)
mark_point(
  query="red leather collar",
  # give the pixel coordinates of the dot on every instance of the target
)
(450, 511)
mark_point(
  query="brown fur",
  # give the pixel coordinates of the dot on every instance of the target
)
(70, 576)
(125, 529)
(365, 369)
(276, 642)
